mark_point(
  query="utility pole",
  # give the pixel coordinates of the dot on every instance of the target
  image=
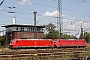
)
(81, 31)
(59, 18)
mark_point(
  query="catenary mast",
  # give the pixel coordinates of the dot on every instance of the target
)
(59, 18)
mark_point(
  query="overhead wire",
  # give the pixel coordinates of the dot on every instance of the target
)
(54, 7)
(62, 9)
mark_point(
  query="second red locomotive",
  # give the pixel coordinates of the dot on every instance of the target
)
(70, 43)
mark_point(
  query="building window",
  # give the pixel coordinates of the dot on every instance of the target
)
(31, 29)
(40, 29)
(22, 28)
(28, 29)
(16, 28)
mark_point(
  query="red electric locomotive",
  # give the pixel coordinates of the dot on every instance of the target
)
(31, 43)
(70, 43)
(46, 43)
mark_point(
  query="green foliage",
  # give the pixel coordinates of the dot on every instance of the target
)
(87, 36)
(54, 34)
(2, 40)
(65, 36)
(50, 27)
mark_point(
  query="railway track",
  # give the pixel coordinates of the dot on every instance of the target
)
(43, 53)
(32, 51)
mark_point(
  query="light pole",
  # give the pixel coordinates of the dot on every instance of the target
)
(14, 18)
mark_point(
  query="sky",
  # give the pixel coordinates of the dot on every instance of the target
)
(74, 13)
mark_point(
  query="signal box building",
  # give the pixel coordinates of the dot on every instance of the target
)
(17, 31)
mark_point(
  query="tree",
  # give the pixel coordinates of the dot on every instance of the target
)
(54, 34)
(50, 27)
(65, 36)
(87, 36)
(2, 40)
(51, 32)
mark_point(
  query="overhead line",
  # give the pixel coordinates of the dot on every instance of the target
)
(56, 7)
(84, 1)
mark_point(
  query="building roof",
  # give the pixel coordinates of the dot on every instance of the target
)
(22, 25)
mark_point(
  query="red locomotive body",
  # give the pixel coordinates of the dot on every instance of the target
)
(46, 43)
(70, 43)
(31, 43)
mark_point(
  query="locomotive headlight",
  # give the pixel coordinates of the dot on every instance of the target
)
(12, 40)
(11, 43)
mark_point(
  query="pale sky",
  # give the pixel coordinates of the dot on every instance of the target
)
(74, 12)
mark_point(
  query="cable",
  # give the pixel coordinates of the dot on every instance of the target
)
(1, 2)
(51, 7)
(84, 1)
(62, 9)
